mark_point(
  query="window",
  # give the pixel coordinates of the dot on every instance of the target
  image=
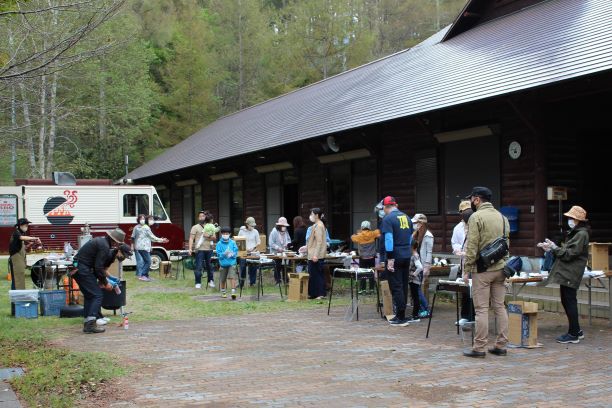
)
(158, 209)
(469, 163)
(364, 192)
(188, 215)
(273, 199)
(134, 204)
(340, 201)
(426, 181)
(197, 200)
(8, 210)
(224, 203)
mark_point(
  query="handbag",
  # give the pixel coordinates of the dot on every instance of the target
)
(493, 252)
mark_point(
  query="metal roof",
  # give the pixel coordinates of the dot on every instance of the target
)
(549, 42)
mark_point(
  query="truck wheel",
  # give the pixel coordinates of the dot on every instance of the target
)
(157, 257)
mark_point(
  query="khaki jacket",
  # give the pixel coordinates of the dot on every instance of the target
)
(317, 241)
(570, 259)
(484, 227)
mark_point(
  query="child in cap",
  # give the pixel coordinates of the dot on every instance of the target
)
(227, 252)
(365, 239)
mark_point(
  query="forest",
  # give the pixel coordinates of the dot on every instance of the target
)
(85, 83)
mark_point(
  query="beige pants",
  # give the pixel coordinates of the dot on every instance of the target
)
(489, 286)
(19, 266)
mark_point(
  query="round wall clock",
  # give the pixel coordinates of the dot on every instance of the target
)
(514, 150)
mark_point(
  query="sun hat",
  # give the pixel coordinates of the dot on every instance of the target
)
(117, 235)
(282, 221)
(250, 222)
(577, 213)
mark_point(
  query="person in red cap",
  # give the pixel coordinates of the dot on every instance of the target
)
(397, 230)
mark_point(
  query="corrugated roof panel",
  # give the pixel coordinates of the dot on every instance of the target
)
(549, 42)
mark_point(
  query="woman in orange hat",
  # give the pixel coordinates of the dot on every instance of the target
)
(568, 268)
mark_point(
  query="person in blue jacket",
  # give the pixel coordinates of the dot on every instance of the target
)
(397, 230)
(227, 252)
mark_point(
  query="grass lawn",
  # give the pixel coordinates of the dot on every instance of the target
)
(56, 377)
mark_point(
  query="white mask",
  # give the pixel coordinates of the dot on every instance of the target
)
(24, 229)
(142, 222)
(381, 214)
(571, 223)
(312, 218)
(225, 237)
(417, 226)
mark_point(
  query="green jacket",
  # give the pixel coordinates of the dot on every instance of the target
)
(570, 259)
(484, 227)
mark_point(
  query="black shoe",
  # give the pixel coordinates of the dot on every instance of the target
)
(475, 354)
(498, 351)
(568, 338)
(90, 326)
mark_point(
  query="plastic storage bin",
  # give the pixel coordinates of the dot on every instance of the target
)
(26, 309)
(51, 301)
(29, 295)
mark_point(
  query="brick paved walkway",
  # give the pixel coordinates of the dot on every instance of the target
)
(305, 358)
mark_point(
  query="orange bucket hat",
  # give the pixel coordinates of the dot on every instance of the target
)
(577, 213)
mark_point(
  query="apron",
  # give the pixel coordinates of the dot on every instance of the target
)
(18, 262)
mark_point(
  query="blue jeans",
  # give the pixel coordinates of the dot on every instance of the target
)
(202, 260)
(143, 263)
(423, 300)
(252, 272)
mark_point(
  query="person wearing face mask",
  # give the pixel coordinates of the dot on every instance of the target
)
(425, 242)
(252, 242)
(227, 252)
(92, 271)
(142, 237)
(316, 249)
(458, 237)
(279, 242)
(17, 253)
(201, 241)
(568, 268)
(397, 230)
(488, 281)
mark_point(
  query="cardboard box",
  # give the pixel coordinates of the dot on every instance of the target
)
(599, 259)
(263, 246)
(385, 292)
(298, 287)
(241, 244)
(523, 324)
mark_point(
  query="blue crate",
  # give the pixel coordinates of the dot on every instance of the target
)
(51, 301)
(26, 309)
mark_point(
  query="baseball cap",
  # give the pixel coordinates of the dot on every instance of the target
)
(389, 200)
(419, 218)
(483, 192)
(226, 230)
(464, 205)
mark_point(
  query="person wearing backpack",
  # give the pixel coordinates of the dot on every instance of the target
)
(486, 226)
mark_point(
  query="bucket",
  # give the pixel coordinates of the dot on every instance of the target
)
(112, 300)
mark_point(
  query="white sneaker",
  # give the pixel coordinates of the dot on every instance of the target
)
(101, 322)
(461, 322)
(198, 286)
(211, 284)
(107, 319)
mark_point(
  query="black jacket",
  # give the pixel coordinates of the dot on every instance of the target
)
(95, 255)
(299, 238)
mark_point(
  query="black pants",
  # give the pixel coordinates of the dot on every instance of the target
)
(88, 285)
(570, 304)
(367, 263)
(398, 283)
(316, 281)
(416, 299)
(467, 308)
(279, 270)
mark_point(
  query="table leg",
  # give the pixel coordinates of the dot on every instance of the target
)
(457, 304)
(378, 306)
(259, 283)
(280, 287)
(356, 295)
(331, 291)
(433, 303)
(590, 284)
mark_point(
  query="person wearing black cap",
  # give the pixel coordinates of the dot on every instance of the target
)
(93, 260)
(397, 230)
(17, 252)
(485, 226)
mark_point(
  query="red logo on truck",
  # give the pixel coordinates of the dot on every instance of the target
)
(56, 209)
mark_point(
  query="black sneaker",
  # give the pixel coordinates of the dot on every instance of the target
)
(568, 338)
(399, 322)
(414, 320)
(581, 335)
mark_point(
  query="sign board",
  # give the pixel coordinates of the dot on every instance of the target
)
(8, 210)
(556, 193)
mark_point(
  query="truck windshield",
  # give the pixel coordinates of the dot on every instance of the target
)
(158, 209)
